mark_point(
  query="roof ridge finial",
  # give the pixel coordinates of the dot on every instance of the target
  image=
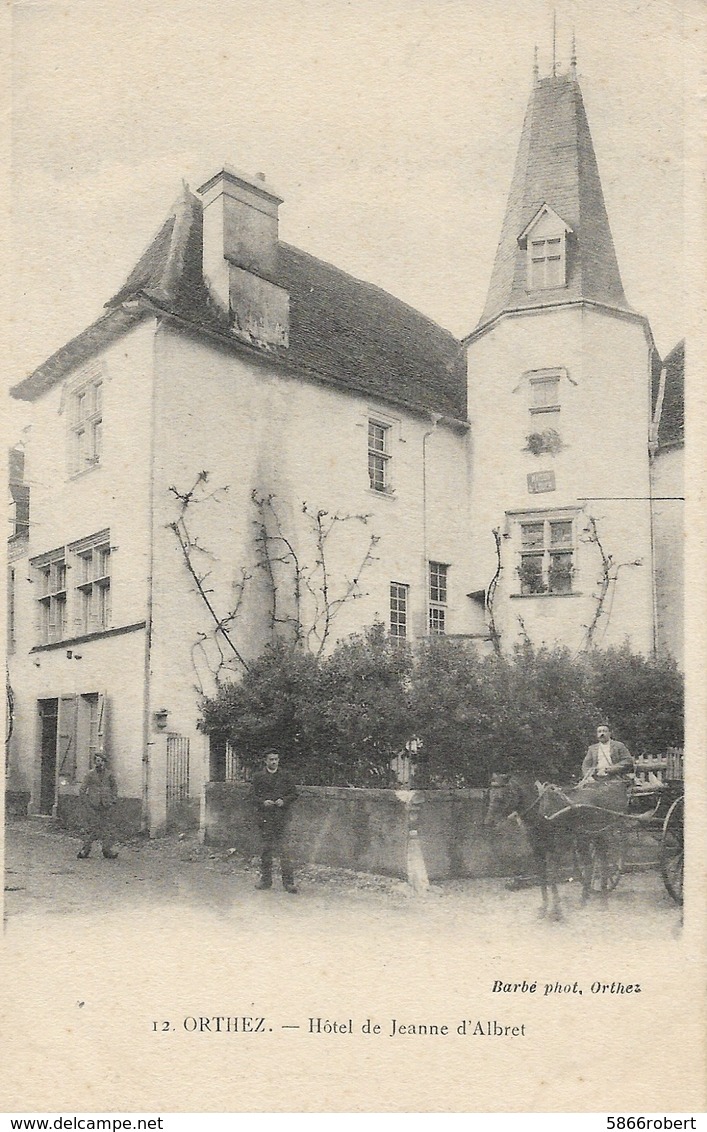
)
(573, 60)
(536, 68)
(554, 43)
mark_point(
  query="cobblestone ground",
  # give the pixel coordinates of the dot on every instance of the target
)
(44, 877)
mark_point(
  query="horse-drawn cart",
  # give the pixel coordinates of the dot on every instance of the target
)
(595, 819)
(656, 804)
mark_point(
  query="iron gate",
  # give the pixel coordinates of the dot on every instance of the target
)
(177, 771)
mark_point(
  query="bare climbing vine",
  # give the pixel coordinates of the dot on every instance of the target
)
(276, 550)
(606, 585)
(220, 636)
(494, 632)
(304, 598)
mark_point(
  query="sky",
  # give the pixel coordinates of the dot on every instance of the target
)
(389, 127)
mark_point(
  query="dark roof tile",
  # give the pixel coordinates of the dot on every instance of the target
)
(342, 330)
(556, 165)
(96, 337)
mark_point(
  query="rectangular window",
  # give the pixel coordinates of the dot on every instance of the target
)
(398, 610)
(93, 586)
(547, 263)
(438, 620)
(544, 394)
(438, 597)
(378, 456)
(50, 579)
(86, 426)
(546, 556)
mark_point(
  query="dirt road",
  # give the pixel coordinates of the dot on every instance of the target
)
(115, 971)
(43, 876)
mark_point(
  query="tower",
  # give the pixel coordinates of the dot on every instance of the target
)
(559, 370)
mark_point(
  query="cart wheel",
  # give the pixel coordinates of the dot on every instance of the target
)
(672, 849)
(599, 861)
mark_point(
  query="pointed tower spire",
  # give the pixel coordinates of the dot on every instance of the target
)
(555, 177)
(573, 60)
(536, 68)
(554, 42)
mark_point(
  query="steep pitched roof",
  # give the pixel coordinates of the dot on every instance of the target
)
(362, 338)
(556, 165)
(671, 426)
(342, 330)
(75, 352)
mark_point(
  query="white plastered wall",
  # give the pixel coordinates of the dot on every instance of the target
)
(602, 468)
(64, 508)
(254, 428)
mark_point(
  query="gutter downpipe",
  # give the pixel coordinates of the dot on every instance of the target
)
(146, 742)
(435, 418)
(652, 453)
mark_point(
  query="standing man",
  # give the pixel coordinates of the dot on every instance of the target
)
(99, 793)
(273, 793)
(607, 757)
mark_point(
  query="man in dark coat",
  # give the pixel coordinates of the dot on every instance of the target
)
(273, 794)
(99, 794)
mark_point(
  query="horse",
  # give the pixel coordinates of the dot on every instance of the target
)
(552, 818)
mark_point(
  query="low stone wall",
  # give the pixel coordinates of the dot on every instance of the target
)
(365, 830)
(455, 843)
(376, 831)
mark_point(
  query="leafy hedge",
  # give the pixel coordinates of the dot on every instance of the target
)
(340, 720)
(537, 710)
(337, 721)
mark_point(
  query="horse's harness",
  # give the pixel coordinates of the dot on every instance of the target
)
(544, 788)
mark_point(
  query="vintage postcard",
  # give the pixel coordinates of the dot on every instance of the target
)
(348, 767)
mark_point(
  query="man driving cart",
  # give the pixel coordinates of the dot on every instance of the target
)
(607, 758)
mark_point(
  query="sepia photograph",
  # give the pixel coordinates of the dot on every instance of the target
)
(347, 759)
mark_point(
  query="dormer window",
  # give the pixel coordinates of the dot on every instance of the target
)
(547, 263)
(545, 239)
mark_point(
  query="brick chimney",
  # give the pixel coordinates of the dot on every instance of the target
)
(240, 258)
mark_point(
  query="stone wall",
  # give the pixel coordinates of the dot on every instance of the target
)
(376, 830)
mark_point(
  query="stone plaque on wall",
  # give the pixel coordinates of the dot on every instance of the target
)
(541, 481)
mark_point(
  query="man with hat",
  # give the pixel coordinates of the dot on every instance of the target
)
(607, 757)
(99, 793)
(273, 794)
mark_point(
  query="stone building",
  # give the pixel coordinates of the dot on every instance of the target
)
(244, 416)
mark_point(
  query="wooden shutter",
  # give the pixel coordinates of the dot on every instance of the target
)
(103, 723)
(66, 738)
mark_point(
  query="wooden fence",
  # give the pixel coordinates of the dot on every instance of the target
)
(653, 769)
